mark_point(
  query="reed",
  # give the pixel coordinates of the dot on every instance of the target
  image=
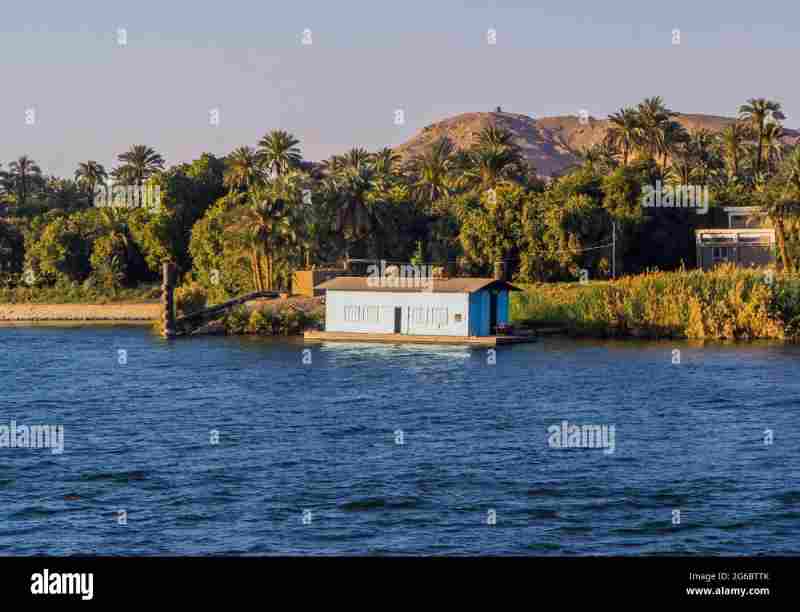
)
(726, 303)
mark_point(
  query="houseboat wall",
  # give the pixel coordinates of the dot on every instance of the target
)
(480, 312)
(374, 312)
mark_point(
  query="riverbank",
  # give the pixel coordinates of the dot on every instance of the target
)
(263, 317)
(142, 312)
(726, 303)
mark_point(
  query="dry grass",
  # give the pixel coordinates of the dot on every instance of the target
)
(727, 303)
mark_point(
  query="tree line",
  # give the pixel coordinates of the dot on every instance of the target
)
(247, 220)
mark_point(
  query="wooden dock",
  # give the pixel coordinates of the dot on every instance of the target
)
(322, 336)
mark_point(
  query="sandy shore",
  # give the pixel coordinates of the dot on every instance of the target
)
(139, 312)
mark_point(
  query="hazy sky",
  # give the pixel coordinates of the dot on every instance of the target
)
(93, 98)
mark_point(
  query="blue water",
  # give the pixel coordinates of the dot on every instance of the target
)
(322, 438)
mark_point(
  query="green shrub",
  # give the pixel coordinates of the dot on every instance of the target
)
(237, 320)
(727, 302)
(292, 321)
(263, 322)
(190, 298)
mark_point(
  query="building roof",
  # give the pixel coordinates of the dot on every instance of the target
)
(405, 285)
(745, 210)
(763, 231)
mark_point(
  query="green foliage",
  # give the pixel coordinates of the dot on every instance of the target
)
(61, 249)
(109, 261)
(492, 231)
(237, 321)
(219, 254)
(273, 321)
(264, 322)
(248, 221)
(13, 290)
(187, 192)
(189, 299)
(12, 249)
(728, 303)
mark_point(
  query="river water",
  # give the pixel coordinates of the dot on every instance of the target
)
(249, 446)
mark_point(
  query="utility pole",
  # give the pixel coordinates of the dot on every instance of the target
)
(613, 249)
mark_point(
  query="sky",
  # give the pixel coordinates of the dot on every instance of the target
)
(92, 97)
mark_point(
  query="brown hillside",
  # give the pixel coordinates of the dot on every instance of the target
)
(550, 143)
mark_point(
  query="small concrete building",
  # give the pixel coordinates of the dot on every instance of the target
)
(451, 307)
(746, 242)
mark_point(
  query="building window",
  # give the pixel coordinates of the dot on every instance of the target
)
(351, 313)
(373, 314)
(357, 314)
(430, 317)
(720, 253)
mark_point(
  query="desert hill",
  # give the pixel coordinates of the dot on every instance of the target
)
(550, 143)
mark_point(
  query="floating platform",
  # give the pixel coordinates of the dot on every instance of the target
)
(322, 336)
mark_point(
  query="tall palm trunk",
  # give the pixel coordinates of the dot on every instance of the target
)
(258, 274)
(760, 147)
(780, 235)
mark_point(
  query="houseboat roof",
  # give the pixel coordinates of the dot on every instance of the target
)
(406, 285)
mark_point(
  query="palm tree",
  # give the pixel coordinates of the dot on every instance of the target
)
(332, 165)
(489, 165)
(624, 131)
(684, 160)
(494, 136)
(495, 157)
(22, 174)
(241, 169)
(703, 145)
(270, 230)
(278, 152)
(114, 220)
(385, 161)
(773, 145)
(63, 194)
(653, 118)
(671, 136)
(733, 146)
(355, 158)
(431, 170)
(353, 215)
(89, 175)
(385, 165)
(783, 204)
(758, 112)
(139, 163)
(591, 155)
(601, 155)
